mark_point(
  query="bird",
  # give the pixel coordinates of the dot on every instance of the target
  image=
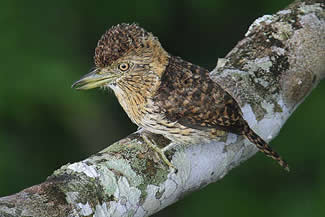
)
(164, 94)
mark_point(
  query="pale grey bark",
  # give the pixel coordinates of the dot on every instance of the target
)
(270, 72)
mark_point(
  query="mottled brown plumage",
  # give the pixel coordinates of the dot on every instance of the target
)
(117, 41)
(164, 94)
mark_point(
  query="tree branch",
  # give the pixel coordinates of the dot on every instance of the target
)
(269, 72)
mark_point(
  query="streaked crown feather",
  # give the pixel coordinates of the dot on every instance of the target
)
(117, 41)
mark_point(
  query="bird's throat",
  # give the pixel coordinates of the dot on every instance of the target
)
(133, 93)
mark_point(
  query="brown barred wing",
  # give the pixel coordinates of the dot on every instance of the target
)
(188, 95)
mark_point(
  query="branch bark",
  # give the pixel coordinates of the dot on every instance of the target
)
(269, 72)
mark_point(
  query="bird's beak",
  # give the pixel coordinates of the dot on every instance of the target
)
(93, 79)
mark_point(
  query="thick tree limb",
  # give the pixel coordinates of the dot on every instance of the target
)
(269, 72)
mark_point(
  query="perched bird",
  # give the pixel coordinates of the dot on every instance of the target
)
(164, 94)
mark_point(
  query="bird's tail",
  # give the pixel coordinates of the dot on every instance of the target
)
(264, 147)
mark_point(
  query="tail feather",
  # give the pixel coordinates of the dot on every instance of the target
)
(264, 147)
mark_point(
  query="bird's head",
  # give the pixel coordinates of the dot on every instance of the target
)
(124, 52)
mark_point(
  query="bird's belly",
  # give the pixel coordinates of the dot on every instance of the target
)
(176, 132)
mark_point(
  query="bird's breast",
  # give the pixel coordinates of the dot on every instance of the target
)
(132, 103)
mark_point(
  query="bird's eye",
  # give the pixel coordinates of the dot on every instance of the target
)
(123, 67)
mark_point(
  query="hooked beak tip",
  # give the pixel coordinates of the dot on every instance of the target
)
(75, 85)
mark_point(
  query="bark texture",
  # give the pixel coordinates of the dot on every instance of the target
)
(269, 72)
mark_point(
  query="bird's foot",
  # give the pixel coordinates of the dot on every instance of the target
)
(160, 152)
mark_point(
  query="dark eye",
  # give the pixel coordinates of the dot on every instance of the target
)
(123, 67)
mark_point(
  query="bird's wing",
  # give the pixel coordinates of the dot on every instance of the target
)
(188, 95)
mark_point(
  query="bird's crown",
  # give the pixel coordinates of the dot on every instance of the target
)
(117, 41)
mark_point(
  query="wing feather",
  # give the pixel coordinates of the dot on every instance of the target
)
(189, 96)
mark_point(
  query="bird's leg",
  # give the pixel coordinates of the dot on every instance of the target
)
(159, 151)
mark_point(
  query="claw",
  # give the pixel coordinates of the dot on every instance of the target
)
(161, 152)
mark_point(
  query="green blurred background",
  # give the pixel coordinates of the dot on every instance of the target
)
(47, 45)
